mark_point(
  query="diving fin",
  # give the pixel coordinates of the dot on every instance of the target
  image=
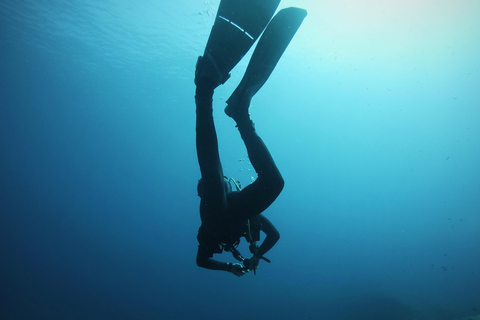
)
(270, 47)
(238, 24)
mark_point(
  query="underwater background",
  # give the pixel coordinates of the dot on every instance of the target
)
(372, 116)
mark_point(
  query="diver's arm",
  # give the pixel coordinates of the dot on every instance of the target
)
(272, 235)
(204, 261)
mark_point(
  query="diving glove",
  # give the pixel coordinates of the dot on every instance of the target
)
(237, 269)
(252, 263)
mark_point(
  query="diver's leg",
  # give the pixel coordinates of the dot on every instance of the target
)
(256, 197)
(211, 186)
(259, 195)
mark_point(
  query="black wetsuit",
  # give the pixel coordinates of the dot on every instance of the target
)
(224, 214)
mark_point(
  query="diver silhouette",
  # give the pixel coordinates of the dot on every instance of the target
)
(227, 214)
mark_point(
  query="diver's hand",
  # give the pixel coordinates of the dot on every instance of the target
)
(237, 269)
(252, 263)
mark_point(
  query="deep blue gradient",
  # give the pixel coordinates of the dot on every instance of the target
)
(372, 116)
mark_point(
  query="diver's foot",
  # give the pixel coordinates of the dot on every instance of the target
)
(230, 111)
(238, 111)
(207, 73)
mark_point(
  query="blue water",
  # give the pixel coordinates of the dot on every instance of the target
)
(372, 116)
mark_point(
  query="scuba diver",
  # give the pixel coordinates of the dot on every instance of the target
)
(226, 214)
